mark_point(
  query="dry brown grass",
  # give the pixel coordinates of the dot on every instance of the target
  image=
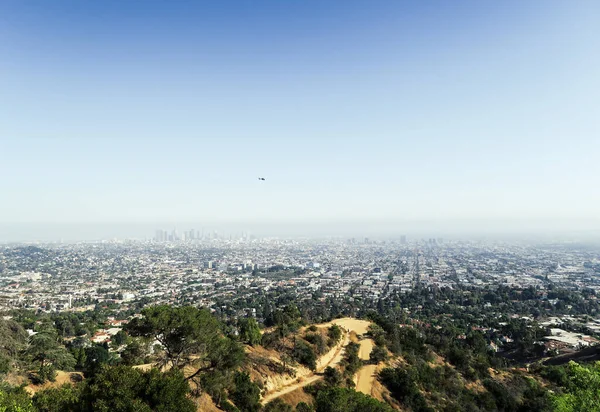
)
(381, 393)
(206, 404)
(15, 379)
(475, 386)
(61, 379)
(295, 397)
(437, 360)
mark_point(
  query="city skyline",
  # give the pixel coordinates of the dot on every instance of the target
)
(378, 230)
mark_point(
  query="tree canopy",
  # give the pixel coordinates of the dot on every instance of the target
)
(191, 339)
(45, 351)
(120, 389)
(13, 339)
(15, 400)
(250, 331)
(347, 400)
(582, 391)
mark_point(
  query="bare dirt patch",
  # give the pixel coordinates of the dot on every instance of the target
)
(359, 326)
(366, 346)
(365, 378)
(61, 379)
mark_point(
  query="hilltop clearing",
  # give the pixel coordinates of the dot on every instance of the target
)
(358, 326)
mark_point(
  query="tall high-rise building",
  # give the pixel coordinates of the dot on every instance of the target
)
(160, 236)
(403, 239)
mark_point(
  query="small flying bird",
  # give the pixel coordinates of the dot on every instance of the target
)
(261, 178)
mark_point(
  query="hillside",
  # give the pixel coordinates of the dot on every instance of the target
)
(303, 377)
(191, 364)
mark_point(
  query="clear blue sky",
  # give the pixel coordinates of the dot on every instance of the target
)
(145, 111)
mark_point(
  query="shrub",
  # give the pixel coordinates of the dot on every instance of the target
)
(278, 405)
(305, 355)
(347, 400)
(304, 407)
(317, 340)
(378, 354)
(245, 393)
(334, 333)
(332, 376)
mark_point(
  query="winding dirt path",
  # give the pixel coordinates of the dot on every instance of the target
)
(366, 346)
(366, 375)
(365, 379)
(334, 357)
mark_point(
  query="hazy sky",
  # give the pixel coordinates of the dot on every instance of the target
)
(146, 111)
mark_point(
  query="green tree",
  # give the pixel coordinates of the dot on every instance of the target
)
(582, 390)
(378, 334)
(190, 337)
(120, 338)
(15, 399)
(216, 384)
(5, 364)
(78, 353)
(45, 352)
(334, 333)
(277, 405)
(378, 354)
(347, 400)
(95, 357)
(124, 389)
(65, 398)
(317, 340)
(245, 393)
(13, 340)
(504, 400)
(304, 407)
(535, 398)
(402, 384)
(250, 331)
(332, 376)
(135, 352)
(351, 361)
(305, 355)
(287, 320)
